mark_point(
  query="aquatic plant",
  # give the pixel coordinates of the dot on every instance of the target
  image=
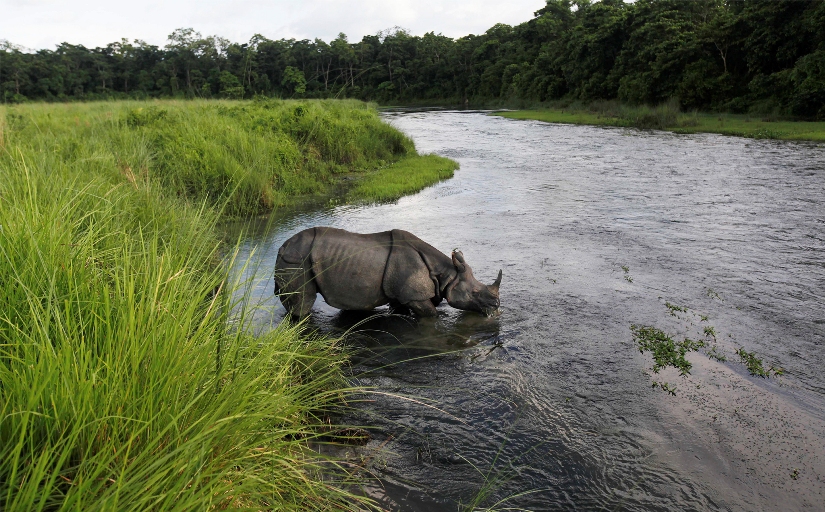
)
(755, 366)
(626, 271)
(665, 351)
(716, 355)
(675, 309)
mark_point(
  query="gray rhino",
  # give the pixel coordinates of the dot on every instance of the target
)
(361, 272)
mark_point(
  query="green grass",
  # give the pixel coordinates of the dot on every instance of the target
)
(124, 382)
(247, 156)
(667, 117)
(404, 177)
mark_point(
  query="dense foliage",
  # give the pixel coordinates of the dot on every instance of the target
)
(736, 55)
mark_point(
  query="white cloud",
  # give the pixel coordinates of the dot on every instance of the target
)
(46, 23)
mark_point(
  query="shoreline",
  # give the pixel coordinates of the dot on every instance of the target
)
(738, 125)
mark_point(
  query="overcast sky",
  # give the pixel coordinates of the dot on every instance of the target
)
(38, 24)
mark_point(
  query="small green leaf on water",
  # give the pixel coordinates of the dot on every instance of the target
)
(675, 309)
(627, 277)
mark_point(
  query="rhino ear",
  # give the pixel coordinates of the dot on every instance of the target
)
(458, 262)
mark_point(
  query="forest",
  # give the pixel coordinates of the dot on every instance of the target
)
(739, 56)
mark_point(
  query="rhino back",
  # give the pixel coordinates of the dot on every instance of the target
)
(349, 267)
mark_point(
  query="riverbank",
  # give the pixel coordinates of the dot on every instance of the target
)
(245, 157)
(125, 382)
(668, 117)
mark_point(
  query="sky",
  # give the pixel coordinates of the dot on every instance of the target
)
(43, 24)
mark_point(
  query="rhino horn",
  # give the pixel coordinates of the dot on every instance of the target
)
(497, 282)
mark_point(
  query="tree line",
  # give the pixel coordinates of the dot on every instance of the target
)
(732, 55)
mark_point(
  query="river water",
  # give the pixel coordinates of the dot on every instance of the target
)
(550, 406)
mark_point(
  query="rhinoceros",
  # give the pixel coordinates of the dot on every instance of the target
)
(363, 271)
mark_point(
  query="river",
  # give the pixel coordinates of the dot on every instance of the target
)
(550, 406)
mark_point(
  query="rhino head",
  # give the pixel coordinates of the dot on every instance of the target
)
(468, 293)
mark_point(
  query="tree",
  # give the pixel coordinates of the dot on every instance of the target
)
(294, 81)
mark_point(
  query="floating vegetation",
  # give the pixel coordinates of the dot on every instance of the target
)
(755, 366)
(626, 271)
(714, 353)
(665, 350)
(665, 387)
(675, 309)
(753, 363)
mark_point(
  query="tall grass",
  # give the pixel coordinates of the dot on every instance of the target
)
(124, 383)
(249, 157)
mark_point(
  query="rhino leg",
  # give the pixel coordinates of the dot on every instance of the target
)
(422, 307)
(295, 287)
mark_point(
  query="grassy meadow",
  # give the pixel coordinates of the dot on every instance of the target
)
(668, 117)
(124, 382)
